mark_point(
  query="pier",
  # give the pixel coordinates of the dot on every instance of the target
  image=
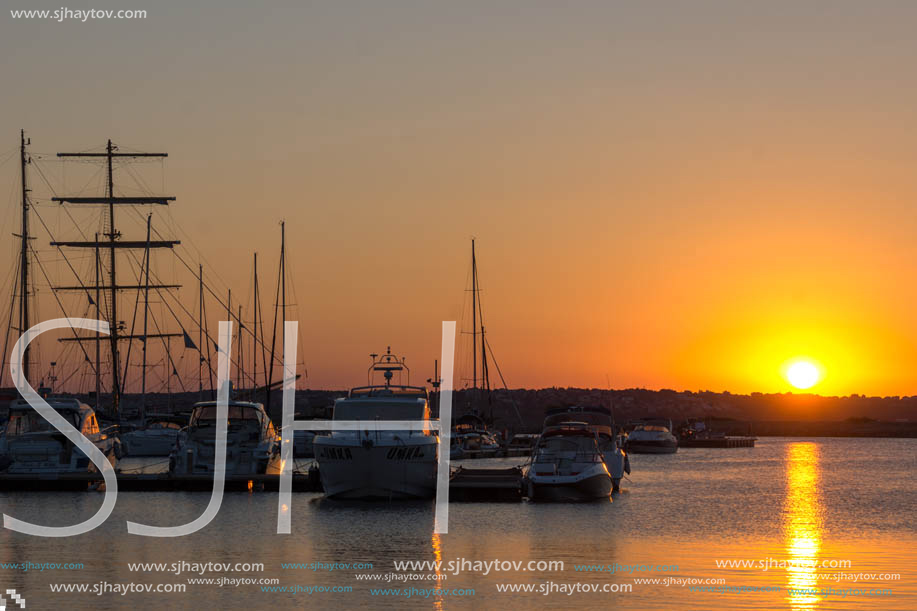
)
(153, 482)
(465, 485)
(718, 442)
(487, 485)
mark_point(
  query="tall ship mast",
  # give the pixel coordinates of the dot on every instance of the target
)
(111, 266)
(21, 297)
(113, 242)
(24, 324)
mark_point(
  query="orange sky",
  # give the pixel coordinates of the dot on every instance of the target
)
(682, 198)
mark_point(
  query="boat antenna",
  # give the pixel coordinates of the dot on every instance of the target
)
(435, 382)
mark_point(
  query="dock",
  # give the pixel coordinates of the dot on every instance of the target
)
(501, 453)
(153, 482)
(718, 442)
(465, 485)
(487, 485)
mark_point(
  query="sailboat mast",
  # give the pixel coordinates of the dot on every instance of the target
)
(239, 377)
(113, 244)
(98, 342)
(255, 298)
(24, 324)
(229, 318)
(283, 291)
(283, 276)
(474, 319)
(113, 296)
(281, 307)
(200, 333)
(485, 374)
(146, 312)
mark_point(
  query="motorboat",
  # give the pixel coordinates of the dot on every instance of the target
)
(567, 465)
(471, 439)
(652, 436)
(31, 445)
(601, 422)
(156, 438)
(252, 443)
(371, 463)
(521, 444)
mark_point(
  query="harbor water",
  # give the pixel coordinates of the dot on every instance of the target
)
(819, 524)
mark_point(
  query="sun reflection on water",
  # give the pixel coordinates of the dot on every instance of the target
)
(438, 556)
(802, 522)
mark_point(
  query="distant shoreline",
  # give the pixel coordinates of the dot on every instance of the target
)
(522, 410)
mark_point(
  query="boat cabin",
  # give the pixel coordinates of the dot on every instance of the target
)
(24, 419)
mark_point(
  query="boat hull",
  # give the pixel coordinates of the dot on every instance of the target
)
(48, 454)
(242, 458)
(591, 488)
(391, 469)
(136, 443)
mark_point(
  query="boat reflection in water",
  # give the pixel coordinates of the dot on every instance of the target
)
(802, 523)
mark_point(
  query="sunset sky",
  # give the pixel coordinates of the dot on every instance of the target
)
(684, 196)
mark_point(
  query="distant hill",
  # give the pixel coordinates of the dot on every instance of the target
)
(522, 410)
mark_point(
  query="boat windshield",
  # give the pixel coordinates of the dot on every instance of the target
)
(566, 447)
(652, 428)
(23, 422)
(592, 418)
(164, 424)
(206, 415)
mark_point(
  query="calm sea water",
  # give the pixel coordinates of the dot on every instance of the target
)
(801, 500)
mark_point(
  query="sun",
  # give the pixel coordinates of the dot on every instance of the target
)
(803, 374)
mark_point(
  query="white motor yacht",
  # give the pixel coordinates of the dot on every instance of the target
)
(567, 465)
(370, 463)
(156, 438)
(601, 422)
(31, 445)
(472, 439)
(652, 436)
(252, 444)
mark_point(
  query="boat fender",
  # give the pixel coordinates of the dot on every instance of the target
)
(627, 464)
